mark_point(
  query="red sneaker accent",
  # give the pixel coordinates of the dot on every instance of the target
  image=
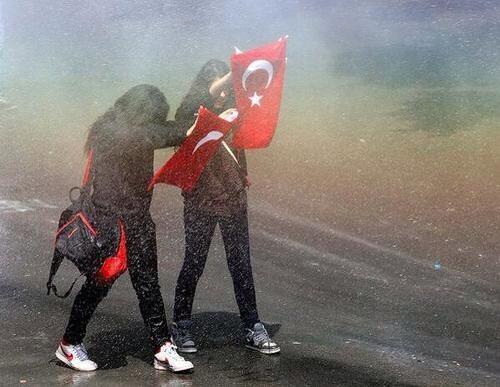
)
(69, 356)
(158, 349)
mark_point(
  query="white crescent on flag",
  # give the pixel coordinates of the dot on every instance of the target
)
(214, 135)
(259, 64)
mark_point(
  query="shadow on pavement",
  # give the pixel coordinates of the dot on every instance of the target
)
(211, 330)
(222, 358)
(218, 329)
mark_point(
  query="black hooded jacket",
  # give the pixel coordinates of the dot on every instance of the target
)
(123, 142)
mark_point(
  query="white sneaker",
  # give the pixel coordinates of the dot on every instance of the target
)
(167, 358)
(76, 357)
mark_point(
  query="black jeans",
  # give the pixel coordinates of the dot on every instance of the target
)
(142, 264)
(199, 229)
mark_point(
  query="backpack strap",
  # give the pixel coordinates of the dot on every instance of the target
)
(65, 295)
(54, 267)
(88, 172)
(58, 257)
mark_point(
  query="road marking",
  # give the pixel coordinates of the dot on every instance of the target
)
(13, 206)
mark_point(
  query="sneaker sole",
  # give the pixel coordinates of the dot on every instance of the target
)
(187, 350)
(60, 356)
(161, 366)
(264, 351)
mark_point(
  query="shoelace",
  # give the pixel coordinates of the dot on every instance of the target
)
(81, 352)
(262, 336)
(172, 352)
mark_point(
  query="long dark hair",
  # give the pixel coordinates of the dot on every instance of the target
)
(127, 118)
(199, 93)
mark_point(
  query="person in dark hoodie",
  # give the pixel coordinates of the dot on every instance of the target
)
(122, 142)
(219, 197)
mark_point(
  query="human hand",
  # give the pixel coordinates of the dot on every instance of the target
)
(190, 130)
(229, 114)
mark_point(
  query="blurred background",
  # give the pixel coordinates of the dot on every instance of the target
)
(375, 209)
(389, 124)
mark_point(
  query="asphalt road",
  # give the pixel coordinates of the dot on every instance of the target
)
(345, 310)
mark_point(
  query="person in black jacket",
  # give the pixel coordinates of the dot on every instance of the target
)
(219, 197)
(122, 142)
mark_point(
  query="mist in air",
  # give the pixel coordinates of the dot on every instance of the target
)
(389, 126)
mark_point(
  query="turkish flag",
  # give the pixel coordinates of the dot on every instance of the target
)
(185, 166)
(257, 77)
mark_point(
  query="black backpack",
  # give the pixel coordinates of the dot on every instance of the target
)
(77, 238)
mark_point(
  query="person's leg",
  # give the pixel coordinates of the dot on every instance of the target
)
(71, 350)
(142, 261)
(199, 229)
(84, 306)
(234, 231)
(237, 245)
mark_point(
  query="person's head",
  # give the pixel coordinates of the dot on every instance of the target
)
(130, 115)
(141, 105)
(199, 94)
(211, 71)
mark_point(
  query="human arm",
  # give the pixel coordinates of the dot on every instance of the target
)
(219, 85)
(171, 133)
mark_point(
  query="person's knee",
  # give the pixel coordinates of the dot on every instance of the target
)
(239, 263)
(147, 285)
(97, 288)
(190, 277)
(194, 265)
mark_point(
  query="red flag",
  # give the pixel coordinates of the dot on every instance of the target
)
(257, 82)
(187, 163)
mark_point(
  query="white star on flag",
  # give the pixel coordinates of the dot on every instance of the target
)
(255, 99)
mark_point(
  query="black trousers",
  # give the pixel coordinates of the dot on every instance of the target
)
(199, 229)
(142, 264)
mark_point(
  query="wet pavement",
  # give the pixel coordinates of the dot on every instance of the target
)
(373, 215)
(345, 310)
